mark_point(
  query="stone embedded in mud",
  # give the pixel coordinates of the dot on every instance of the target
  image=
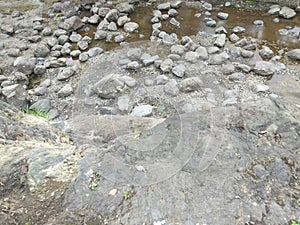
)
(191, 84)
(40, 50)
(261, 88)
(258, 22)
(71, 24)
(172, 12)
(294, 54)
(166, 65)
(266, 52)
(274, 11)
(103, 11)
(42, 105)
(109, 87)
(264, 68)
(238, 30)
(94, 19)
(65, 91)
(122, 20)
(179, 70)
(247, 54)
(112, 15)
(142, 110)
(100, 34)
(65, 73)
(222, 15)
(234, 38)
(287, 13)
(177, 49)
(83, 57)
(202, 52)
(220, 41)
(164, 6)
(171, 88)
(228, 69)
(191, 57)
(131, 27)
(25, 63)
(124, 7)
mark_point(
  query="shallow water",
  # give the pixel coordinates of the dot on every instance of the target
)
(191, 25)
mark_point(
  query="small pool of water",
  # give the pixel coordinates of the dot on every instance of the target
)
(191, 25)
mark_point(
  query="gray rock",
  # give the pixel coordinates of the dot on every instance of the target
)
(94, 19)
(176, 4)
(25, 64)
(124, 7)
(131, 27)
(161, 79)
(109, 86)
(261, 88)
(134, 53)
(166, 65)
(62, 39)
(71, 24)
(14, 52)
(294, 54)
(222, 15)
(75, 53)
(238, 30)
(66, 91)
(100, 34)
(122, 20)
(149, 60)
(264, 68)
(177, 49)
(92, 52)
(123, 102)
(112, 26)
(211, 23)
(172, 12)
(103, 25)
(228, 69)
(129, 81)
(191, 57)
(179, 70)
(190, 84)
(221, 30)
(164, 6)
(51, 41)
(258, 22)
(174, 22)
(75, 37)
(202, 52)
(266, 52)
(234, 38)
(40, 50)
(220, 41)
(156, 26)
(247, 54)
(112, 15)
(65, 73)
(287, 13)
(66, 49)
(83, 45)
(15, 94)
(83, 57)
(103, 11)
(142, 110)
(241, 43)
(207, 6)
(39, 69)
(237, 76)
(7, 29)
(171, 88)
(216, 59)
(42, 105)
(213, 50)
(47, 31)
(134, 65)
(245, 68)
(274, 11)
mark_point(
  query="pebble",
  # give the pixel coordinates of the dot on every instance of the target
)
(142, 111)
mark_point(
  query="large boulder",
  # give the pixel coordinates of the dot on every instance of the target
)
(287, 13)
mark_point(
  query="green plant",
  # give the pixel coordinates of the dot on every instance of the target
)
(238, 155)
(295, 222)
(36, 112)
(126, 195)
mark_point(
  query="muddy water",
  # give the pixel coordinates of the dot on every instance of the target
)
(191, 25)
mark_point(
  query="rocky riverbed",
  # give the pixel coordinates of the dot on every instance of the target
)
(149, 112)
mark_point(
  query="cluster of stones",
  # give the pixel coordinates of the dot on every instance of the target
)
(110, 21)
(36, 48)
